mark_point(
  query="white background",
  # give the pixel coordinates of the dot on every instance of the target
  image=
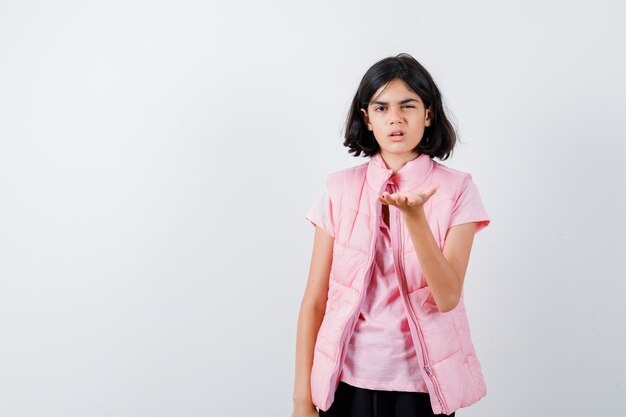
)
(157, 159)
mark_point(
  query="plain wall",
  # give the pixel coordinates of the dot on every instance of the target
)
(157, 159)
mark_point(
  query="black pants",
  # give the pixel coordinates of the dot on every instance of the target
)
(360, 402)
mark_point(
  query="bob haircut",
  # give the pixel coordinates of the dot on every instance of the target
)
(439, 138)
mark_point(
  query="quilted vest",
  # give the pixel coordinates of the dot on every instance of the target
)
(446, 354)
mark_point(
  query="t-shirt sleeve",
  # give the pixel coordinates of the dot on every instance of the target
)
(469, 207)
(320, 214)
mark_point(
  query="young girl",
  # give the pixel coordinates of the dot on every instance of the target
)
(382, 329)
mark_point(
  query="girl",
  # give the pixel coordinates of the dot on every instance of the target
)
(382, 329)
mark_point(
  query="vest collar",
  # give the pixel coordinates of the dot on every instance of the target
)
(408, 178)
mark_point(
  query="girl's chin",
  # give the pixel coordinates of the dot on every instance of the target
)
(401, 144)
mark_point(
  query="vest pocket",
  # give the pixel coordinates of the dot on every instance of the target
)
(440, 336)
(463, 330)
(339, 306)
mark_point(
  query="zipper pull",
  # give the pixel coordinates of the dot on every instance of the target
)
(428, 371)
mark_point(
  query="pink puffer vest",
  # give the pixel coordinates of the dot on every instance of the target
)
(445, 351)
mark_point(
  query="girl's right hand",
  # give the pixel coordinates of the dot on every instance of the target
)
(304, 411)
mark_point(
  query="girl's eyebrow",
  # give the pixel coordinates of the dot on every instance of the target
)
(406, 100)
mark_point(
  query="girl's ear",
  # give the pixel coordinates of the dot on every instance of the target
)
(366, 119)
(429, 116)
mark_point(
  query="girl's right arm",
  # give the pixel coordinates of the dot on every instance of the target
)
(311, 315)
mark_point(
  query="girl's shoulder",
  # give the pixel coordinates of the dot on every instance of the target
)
(452, 182)
(343, 176)
(449, 175)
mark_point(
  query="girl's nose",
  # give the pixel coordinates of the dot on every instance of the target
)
(395, 115)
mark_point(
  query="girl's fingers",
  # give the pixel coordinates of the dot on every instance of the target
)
(396, 200)
(400, 200)
(407, 199)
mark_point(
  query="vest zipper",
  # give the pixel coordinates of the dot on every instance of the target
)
(400, 263)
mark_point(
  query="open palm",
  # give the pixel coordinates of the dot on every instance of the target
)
(408, 201)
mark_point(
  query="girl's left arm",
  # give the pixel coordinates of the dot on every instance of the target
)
(444, 270)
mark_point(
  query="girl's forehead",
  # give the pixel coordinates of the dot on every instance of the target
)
(399, 98)
(397, 90)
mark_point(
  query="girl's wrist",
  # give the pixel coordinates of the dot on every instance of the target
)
(415, 213)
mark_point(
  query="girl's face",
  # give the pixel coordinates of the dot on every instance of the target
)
(397, 109)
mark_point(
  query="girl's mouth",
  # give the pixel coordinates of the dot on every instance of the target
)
(396, 135)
